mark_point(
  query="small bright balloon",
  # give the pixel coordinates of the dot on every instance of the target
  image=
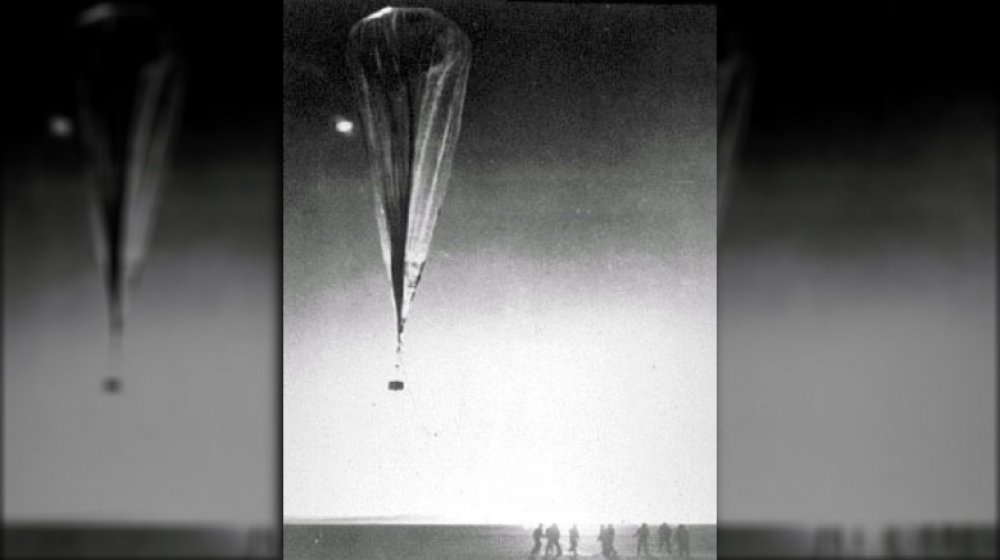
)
(60, 126)
(344, 126)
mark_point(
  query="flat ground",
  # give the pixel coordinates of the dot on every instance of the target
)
(454, 542)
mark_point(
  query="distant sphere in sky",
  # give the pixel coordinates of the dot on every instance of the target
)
(60, 126)
(344, 126)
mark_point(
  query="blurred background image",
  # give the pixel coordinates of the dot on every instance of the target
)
(857, 278)
(154, 434)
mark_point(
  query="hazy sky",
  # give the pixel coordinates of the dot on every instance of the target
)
(560, 351)
(192, 438)
(857, 302)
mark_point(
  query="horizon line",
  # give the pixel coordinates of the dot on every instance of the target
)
(442, 520)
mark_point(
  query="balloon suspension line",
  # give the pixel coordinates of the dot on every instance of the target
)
(414, 407)
(113, 382)
(397, 384)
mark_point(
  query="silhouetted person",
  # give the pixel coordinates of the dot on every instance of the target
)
(829, 541)
(602, 536)
(891, 543)
(642, 540)
(948, 540)
(926, 540)
(260, 543)
(966, 542)
(857, 543)
(663, 534)
(836, 541)
(537, 536)
(611, 541)
(683, 548)
(574, 539)
(819, 542)
(552, 541)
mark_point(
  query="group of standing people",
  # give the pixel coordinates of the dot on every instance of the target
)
(665, 538)
(552, 535)
(606, 536)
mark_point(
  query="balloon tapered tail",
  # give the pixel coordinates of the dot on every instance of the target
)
(397, 384)
(113, 382)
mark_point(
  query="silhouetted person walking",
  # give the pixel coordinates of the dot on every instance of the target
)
(837, 540)
(611, 541)
(857, 543)
(552, 541)
(683, 544)
(663, 536)
(642, 543)
(537, 536)
(891, 542)
(574, 539)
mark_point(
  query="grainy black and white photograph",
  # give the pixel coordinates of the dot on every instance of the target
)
(141, 279)
(857, 281)
(499, 274)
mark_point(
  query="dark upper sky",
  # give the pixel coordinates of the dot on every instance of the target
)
(40, 54)
(563, 88)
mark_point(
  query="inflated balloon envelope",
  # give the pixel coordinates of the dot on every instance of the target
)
(410, 67)
(129, 88)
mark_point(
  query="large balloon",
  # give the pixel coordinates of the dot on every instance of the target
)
(410, 67)
(129, 86)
